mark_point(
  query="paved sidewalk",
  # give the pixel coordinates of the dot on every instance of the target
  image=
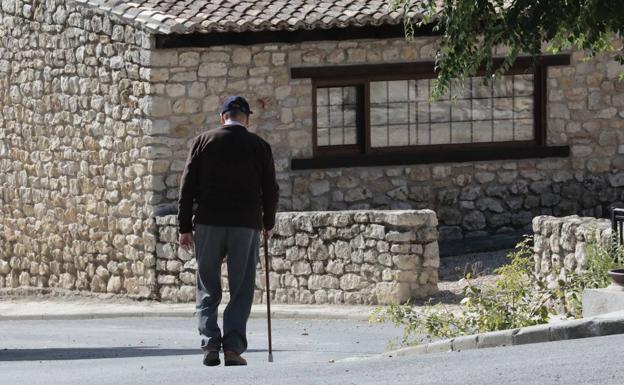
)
(76, 307)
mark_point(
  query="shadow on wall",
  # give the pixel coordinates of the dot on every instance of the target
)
(483, 244)
(165, 209)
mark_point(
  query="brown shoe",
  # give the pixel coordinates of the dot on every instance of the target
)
(233, 359)
(211, 358)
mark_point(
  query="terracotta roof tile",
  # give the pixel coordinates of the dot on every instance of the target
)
(203, 16)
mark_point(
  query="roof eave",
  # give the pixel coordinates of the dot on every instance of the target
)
(246, 38)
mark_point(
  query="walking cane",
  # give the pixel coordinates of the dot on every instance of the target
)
(268, 292)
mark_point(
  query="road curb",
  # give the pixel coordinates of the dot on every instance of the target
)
(601, 325)
(258, 314)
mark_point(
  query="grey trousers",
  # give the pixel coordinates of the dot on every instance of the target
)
(212, 244)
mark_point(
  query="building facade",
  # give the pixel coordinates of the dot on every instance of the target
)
(99, 101)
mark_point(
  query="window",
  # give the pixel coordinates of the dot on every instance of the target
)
(370, 110)
(401, 114)
(336, 119)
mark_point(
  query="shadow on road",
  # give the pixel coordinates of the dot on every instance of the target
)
(52, 354)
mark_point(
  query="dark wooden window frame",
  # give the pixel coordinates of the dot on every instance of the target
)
(359, 118)
(362, 154)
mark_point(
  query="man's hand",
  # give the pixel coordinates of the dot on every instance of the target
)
(186, 241)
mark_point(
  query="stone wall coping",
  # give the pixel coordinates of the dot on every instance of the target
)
(365, 211)
(416, 218)
(599, 223)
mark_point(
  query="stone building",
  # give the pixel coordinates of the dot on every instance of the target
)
(99, 101)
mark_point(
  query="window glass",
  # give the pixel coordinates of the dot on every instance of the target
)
(379, 136)
(461, 132)
(392, 113)
(336, 116)
(402, 115)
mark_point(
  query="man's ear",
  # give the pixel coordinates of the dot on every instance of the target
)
(222, 120)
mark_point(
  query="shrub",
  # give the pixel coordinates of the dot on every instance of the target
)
(519, 297)
(595, 274)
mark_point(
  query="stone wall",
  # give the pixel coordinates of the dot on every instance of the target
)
(351, 257)
(75, 161)
(95, 126)
(471, 199)
(560, 244)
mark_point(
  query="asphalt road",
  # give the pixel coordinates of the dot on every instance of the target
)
(155, 351)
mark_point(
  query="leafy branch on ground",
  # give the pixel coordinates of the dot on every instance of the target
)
(519, 297)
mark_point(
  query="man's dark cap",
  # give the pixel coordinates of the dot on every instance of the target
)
(236, 103)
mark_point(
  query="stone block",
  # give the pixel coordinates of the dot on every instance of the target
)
(391, 292)
(318, 251)
(284, 226)
(319, 187)
(188, 278)
(168, 293)
(405, 261)
(335, 267)
(301, 268)
(166, 279)
(374, 231)
(160, 107)
(342, 250)
(186, 294)
(408, 218)
(114, 285)
(302, 239)
(67, 281)
(396, 236)
(432, 251)
(320, 297)
(5, 268)
(382, 246)
(350, 282)
(214, 69)
(189, 59)
(400, 248)
(316, 282)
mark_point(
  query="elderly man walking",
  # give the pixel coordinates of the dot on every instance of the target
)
(231, 174)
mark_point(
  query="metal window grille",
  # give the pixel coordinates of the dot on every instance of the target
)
(499, 112)
(334, 127)
(617, 223)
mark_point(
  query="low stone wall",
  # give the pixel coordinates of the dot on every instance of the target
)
(560, 244)
(342, 257)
